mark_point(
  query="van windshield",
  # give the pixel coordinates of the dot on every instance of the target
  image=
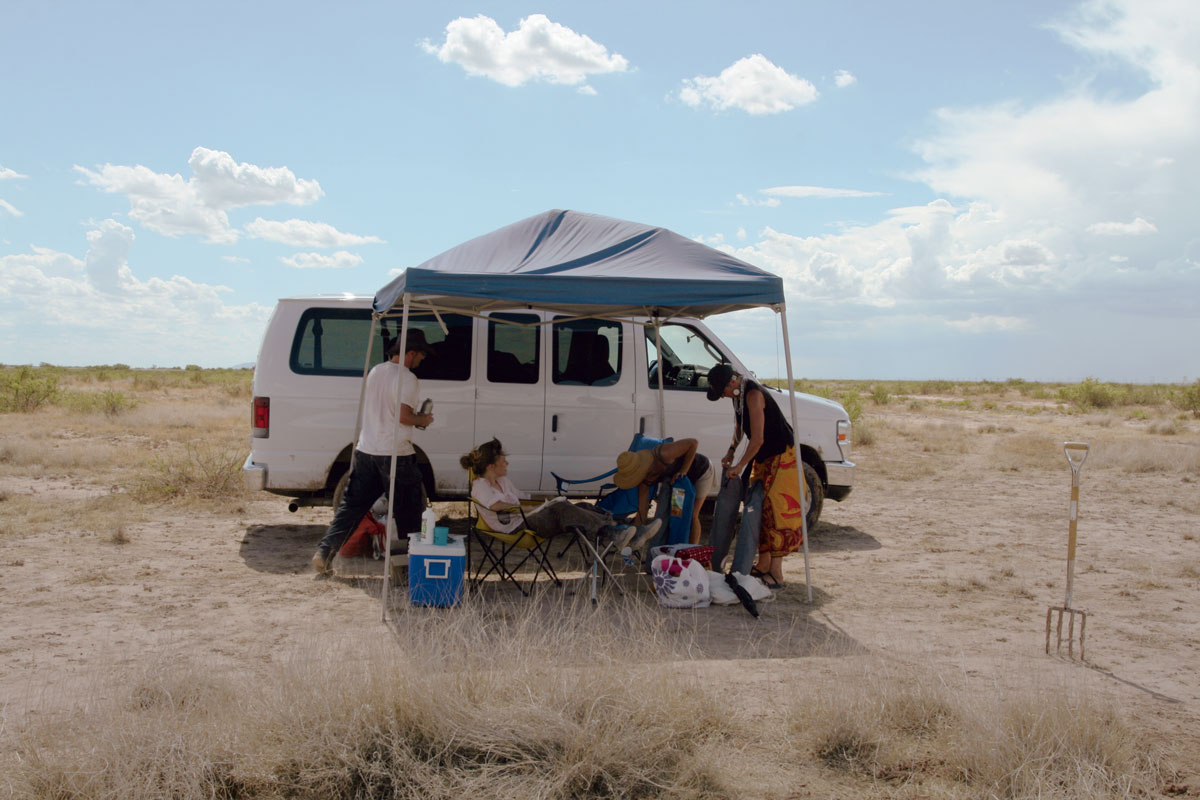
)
(687, 356)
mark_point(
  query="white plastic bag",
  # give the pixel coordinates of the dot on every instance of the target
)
(722, 595)
(680, 582)
(757, 589)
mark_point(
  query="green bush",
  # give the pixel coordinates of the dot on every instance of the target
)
(1188, 399)
(110, 402)
(880, 395)
(25, 389)
(852, 402)
(1089, 394)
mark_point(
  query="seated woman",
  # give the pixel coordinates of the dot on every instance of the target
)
(498, 501)
(668, 461)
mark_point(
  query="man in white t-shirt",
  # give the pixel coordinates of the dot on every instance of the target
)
(372, 465)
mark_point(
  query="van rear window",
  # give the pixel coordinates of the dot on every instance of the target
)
(333, 341)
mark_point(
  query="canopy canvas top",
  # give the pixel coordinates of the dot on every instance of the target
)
(585, 265)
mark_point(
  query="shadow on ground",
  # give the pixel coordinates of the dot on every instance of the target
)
(280, 549)
(785, 628)
(829, 538)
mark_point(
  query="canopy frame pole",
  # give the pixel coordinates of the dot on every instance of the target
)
(662, 406)
(801, 488)
(362, 392)
(391, 512)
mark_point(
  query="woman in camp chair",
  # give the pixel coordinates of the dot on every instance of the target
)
(498, 501)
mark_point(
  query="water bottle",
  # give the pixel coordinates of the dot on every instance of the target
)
(428, 523)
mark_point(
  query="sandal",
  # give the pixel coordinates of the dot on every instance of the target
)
(769, 580)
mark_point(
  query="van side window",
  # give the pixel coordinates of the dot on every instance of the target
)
(333, 341)
(687, 357)
(450, 352)
(513, 350)
(587, 352)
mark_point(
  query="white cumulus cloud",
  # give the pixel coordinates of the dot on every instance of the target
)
(7, 174)
(302, 233)
(537, 50)
(107, 257)
(753, 84)
(816, 191)
(61, 309)
(10, 208)
(170, 205)
(769, 202)
(339, 260)
(1139, 227)
(843, 79)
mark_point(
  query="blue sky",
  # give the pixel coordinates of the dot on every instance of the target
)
(950, 190)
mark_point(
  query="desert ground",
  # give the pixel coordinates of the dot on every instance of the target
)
(940, 565)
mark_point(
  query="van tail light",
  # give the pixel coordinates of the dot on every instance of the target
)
(260, 417)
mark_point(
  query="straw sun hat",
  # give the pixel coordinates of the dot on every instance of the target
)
(632, 468)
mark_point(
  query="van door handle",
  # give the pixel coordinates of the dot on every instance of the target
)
(642, 425)
(554, 424)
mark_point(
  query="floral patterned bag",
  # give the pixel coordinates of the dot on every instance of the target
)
(680, 582)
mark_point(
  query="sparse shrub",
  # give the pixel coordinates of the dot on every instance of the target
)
(1089, 394)
(147, 381)
(862, 433)
(210, 472)
(852, 402)
(1188, 399)
(25, 389)
(880, 395)
(110, 402)
(1164, 427)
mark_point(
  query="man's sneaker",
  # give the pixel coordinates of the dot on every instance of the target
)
(645, 533)
(321, 562)
(621, 537)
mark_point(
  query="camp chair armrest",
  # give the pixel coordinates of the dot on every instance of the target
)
(562, 483)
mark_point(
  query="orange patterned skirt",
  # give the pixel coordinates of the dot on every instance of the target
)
(771, 539)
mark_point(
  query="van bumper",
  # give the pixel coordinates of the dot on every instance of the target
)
(254, 476)
(839, 479)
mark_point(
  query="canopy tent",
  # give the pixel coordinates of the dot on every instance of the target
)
(585, 265)
(588, 265)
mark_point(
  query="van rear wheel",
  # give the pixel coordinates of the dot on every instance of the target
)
(339, 490)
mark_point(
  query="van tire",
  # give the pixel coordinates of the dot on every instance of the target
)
(339, 490)
(817, 490)
(426, 480)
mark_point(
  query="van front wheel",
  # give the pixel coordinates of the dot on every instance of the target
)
(816, 490)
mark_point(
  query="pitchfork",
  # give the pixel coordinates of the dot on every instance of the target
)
(1073, 450)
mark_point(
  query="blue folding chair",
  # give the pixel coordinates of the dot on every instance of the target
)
(618, 502)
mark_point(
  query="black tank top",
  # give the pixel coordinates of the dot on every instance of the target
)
(777, 433)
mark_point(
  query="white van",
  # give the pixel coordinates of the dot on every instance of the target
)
(564, 398)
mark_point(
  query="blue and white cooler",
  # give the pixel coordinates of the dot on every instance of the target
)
(435, 572)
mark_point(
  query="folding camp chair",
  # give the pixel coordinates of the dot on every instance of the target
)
(618, 502)
(621, 503)
(497, 546)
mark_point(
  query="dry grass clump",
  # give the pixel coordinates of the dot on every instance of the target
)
(1029, 451)
(1142, 456)
(434, 711)
(901, 725)
(209, 471)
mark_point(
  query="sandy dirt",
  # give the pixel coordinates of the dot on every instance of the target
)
(948, 552)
